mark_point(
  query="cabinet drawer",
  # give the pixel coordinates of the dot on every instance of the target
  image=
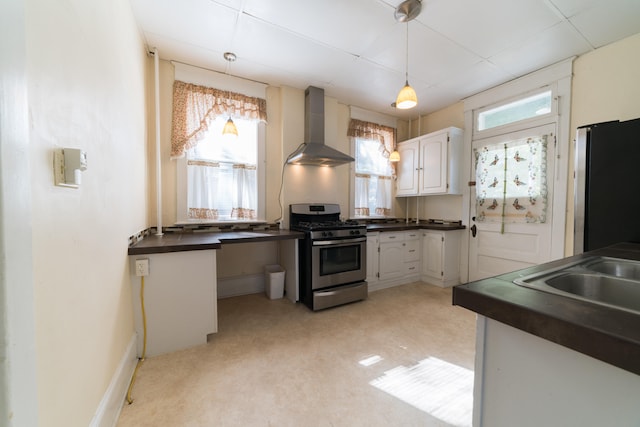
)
(412, 235)
(412, 250)
(391, 237)
(412, 268)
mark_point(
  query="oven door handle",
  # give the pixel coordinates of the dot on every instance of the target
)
(339, 242)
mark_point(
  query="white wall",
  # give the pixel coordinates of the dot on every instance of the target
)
(18, 389)
(86, 89)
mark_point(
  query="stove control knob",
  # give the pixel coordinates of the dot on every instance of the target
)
(329, 233)
(355, 231)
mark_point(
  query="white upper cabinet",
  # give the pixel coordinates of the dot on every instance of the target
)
(430, 164)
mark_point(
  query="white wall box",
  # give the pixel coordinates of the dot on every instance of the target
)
(441, 257)
(430, 164)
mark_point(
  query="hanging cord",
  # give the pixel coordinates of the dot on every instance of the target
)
(279, 220)
(144, 342)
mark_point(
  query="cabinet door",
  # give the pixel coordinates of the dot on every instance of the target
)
(407, 182)
(434, 164)
(372, 257)
(432, 244)
(391, 260)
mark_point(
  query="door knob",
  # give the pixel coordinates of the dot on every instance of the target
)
(474, 230)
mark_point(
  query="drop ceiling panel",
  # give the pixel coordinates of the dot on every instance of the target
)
(593, 22)
(350, 26)
(271, 45)
(542, 49)
(489, 26)
(196, 22)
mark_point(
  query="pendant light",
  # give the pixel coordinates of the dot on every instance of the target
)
(407, 96)
(394, 157)
(230, 129)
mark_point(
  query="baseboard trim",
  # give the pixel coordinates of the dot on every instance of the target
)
(240, 285)
(110, 406)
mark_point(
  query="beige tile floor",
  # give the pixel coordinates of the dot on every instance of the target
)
(403, 357)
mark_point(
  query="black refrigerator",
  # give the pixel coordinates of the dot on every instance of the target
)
(607, 185)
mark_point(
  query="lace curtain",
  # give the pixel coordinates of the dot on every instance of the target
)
(511, 181)
(195, 106)
(221, 190)
(385, 135)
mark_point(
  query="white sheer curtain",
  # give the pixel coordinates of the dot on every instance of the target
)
(204, 178)
(362, 194)
(383, 196)
(245, 194)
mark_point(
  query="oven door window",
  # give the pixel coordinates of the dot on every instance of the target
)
(339, 259)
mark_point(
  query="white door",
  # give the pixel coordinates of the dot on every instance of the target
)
(511, 226)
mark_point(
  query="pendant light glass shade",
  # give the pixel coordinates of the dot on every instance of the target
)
(406, 97)
(394, 157)
(230, 128)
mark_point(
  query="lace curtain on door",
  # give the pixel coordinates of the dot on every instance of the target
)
(511, 182)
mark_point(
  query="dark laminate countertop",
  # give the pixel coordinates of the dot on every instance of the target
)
(177, 242)
(402, 226)
(604, 333)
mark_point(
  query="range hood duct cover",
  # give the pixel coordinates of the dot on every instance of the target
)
(314, 151)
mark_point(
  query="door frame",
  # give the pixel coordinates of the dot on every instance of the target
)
(558, 75)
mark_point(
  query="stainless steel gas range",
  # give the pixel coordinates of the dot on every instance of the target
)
(332, 256)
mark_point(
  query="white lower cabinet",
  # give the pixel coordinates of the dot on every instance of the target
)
(441, 257)
(391, 256)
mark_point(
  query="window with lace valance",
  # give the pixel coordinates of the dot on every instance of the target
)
(221, 173)
(195, 107)
(374, 173)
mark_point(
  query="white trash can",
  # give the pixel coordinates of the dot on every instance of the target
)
(274, 281)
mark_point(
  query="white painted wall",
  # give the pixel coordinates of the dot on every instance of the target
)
(18, 389)
(86, 89)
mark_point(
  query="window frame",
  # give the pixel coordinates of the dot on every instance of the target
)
(182, 186)
(519, 124)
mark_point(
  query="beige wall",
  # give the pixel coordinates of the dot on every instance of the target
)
(606, 86)
(86, 86)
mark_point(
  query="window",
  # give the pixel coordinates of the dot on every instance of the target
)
(373, 173)
(218, 179)
(529, 107)
(373, 179)
(222, 180)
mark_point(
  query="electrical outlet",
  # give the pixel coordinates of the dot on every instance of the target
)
(142, 267)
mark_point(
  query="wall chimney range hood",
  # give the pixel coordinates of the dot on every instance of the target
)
(314, 151)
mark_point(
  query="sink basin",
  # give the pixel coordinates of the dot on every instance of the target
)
(616, 267)
(607, 281)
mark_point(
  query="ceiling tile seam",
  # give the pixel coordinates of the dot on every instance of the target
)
(555, 9)
(461, 46)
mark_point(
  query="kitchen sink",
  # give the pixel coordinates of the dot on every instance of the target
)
(602, 280)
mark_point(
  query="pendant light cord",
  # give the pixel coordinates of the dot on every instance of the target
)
(406, 73)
